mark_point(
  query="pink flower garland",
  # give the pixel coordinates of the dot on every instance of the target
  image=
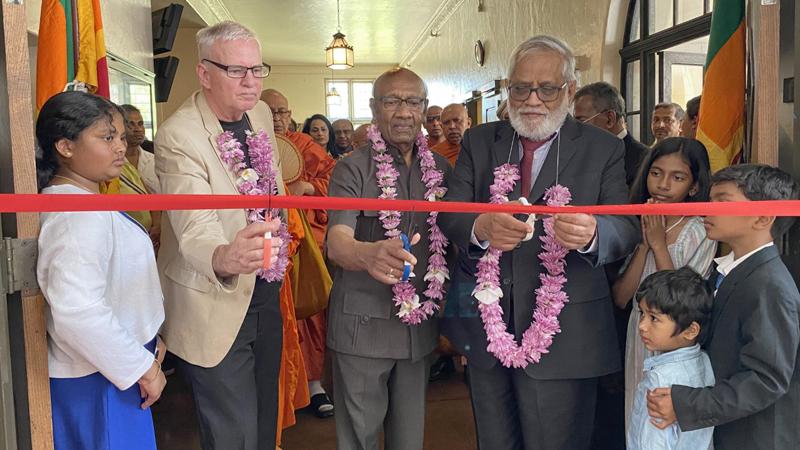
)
(260, 180)
(411, 311)
(550, 296)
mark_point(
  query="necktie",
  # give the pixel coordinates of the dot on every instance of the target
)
(720, 278)
(526, 164)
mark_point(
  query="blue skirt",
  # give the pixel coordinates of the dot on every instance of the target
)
(90, 413)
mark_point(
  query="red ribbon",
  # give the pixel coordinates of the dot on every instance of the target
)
(16, 203)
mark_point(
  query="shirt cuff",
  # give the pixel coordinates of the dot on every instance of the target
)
(474, 240)
(592, 246)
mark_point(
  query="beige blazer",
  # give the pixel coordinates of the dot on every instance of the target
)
(203, 313)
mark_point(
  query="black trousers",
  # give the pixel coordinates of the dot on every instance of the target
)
(237, 400)
(514, 411)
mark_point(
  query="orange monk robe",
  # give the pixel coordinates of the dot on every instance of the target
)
(293, 383)
(448, 150)
(317, 170)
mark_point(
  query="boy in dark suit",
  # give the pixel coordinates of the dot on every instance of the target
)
(754, 338)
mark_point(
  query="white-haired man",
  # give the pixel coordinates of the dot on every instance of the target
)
(549, 404)
(224, 323)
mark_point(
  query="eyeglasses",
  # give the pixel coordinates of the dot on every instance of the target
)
(668, 121)
(590, 118)
(260, 71)
(521, 92)
(413, 103)
(431, 119)
(282, 113)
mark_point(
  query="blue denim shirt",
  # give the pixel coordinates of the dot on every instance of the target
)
(688, 366)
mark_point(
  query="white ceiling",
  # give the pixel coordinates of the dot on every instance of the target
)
(297, 31)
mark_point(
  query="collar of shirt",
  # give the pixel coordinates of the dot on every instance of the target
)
(397, 156)
(622, 133)
(681, 354)
(725, 264)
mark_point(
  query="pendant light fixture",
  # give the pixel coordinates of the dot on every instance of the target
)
(339, 55)
(332, 97)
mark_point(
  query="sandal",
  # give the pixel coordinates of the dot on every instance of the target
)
(321, 405)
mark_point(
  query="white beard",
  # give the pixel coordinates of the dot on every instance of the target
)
(543, 130)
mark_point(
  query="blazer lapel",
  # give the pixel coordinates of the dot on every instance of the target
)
(561, 152)
(737, 275)
(214, 129)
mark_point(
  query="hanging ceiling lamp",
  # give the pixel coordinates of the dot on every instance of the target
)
(339, 55)
(333, 98)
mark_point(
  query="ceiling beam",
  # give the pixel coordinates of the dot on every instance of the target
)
(211, 11)
(431, 29)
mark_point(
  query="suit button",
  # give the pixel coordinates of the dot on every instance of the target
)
(506, 281)
(365, 319)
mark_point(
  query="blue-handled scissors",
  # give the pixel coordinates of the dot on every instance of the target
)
(406, 265)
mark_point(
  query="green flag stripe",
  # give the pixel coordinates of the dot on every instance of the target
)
(726, 18)
(69, 16)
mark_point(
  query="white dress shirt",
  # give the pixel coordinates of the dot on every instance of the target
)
(97, 271)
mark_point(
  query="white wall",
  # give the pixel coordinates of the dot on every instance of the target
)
(447, 63)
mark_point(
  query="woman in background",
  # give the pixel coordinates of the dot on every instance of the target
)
(321, 130)
(97, 271)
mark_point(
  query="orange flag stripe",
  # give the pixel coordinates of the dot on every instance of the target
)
(51, 58)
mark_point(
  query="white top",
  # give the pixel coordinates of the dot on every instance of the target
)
(98, 273)
(147, 170)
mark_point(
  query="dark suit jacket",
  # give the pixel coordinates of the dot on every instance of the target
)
(635, 152)
(591, 166)
(754, 346)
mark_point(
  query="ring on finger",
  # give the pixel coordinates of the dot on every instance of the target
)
(390, 273)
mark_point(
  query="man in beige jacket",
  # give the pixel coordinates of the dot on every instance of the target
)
(222, 322)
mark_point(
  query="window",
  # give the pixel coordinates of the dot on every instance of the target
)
(129, 84)
(353, 102)
(663, 57)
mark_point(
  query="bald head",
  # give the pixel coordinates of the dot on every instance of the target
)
(343, 131)
(399, 98)
(360, 136)
(455, 122)
(279, 105)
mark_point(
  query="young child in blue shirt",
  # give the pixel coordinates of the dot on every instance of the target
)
(675, 308)
(754, 336)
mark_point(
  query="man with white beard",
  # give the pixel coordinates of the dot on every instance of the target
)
(546, 400)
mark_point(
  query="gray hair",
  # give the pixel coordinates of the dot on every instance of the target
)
(677, 111)
(545, 43)
(605, 97)
(223, 31)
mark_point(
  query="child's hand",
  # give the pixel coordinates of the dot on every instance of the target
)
(659, 406)
(655, 232)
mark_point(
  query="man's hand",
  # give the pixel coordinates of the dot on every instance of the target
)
(502, 230)
(301, 187)
(246, 253)
(384, 260)
(659, 406)
(574, 231)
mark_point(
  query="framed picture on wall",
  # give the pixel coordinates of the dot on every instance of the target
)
(133, 85)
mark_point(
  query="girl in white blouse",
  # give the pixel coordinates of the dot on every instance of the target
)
(97, 271)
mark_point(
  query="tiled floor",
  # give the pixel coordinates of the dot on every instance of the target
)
(448, 421)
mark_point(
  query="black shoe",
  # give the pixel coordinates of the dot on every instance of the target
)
(321, 405)
(442, 368)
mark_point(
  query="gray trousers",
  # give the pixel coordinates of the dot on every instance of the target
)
(514, 411)
(237, 400)
(371, 394)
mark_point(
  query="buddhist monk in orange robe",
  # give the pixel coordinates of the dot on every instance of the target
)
(318, 167)
(433, 125)
(455, 122)
(293, 384)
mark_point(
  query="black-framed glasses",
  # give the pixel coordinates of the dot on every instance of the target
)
(521, 92)
(431, 119)
(393, 103)
(260, 71)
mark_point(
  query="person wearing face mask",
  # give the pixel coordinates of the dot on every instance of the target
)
(548, 402)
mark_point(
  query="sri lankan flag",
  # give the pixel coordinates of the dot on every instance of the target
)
(71, 48)
(721, 127)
